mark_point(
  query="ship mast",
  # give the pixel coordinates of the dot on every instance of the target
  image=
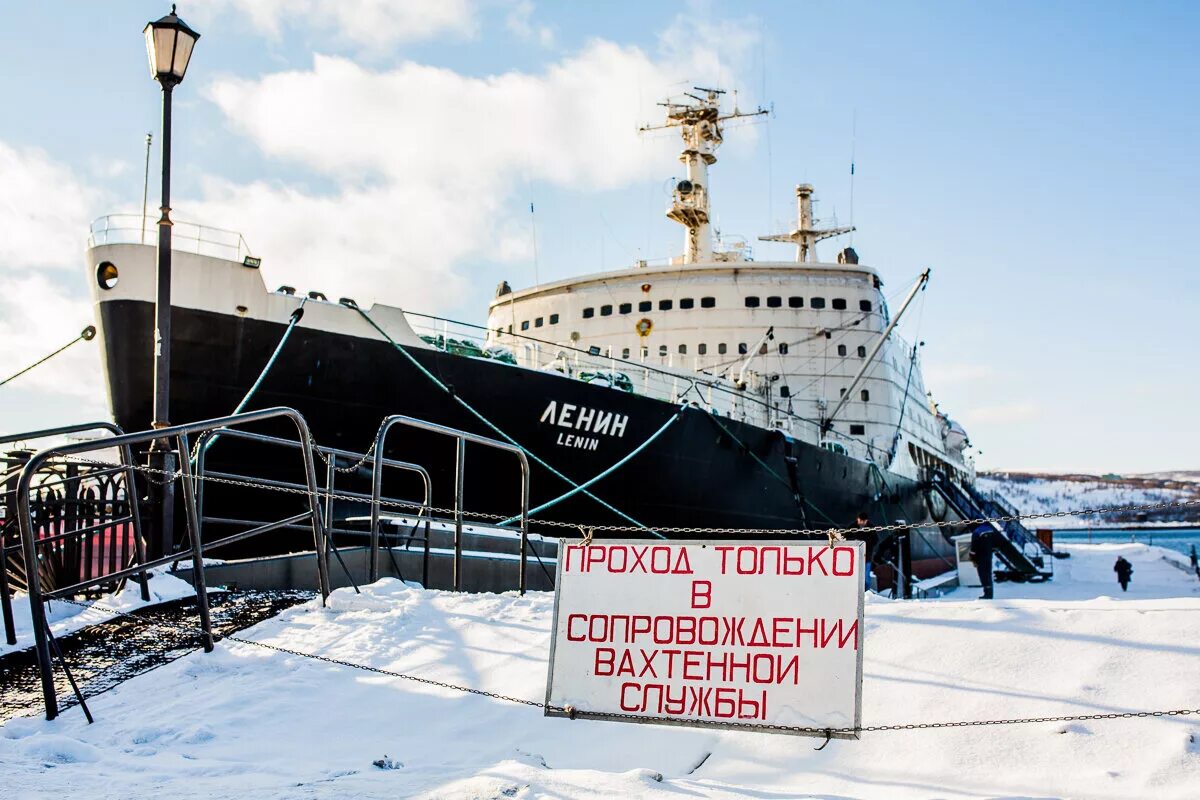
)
(699, 121)
(806, 235)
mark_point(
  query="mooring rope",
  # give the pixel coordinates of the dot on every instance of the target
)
(583, 486)
(471, 409)
(86, 335)
(297, 313)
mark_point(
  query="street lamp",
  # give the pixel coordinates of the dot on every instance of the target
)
(169, 43)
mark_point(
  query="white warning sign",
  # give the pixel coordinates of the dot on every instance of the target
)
(738, 634)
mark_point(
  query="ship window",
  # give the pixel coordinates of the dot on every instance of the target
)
(106, 276)
(664, 305)
(525, 325)
(645, 305)
(785, 391)
(817, 302)
(554, 319)
(774, 302)
(842, 392)
(702, 349)
(862, 351)
(839, 303)
(510, 328)
(626, 308)
(762, 351)
(751, 302)
(588, 313)
(606, 311)
(625, 353)
(783, 348)
(795, 302)
(645, 352)
(708, 302)
(683, 349)
(864, 305)
(858, 430)
(537, 323)
(722, 349)
(841, 349)
(662, 349)
(687, 302)
(865, 395)
(742, 349)
(828, 335)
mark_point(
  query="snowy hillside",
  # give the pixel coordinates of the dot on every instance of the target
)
(245, 722)
(1046, 494)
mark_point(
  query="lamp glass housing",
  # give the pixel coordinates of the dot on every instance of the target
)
(169, 43)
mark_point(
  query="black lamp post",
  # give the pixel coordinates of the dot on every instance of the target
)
(169, 43)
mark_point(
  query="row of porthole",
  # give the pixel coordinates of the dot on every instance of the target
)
(816, 303)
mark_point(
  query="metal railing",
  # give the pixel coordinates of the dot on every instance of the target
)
(329, 491)
(461, 438)
(63, 485)
(186, 237)
(196, 549)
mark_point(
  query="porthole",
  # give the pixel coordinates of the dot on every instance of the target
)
(106, 275)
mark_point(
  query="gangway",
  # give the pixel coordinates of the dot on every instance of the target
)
(1013, 544)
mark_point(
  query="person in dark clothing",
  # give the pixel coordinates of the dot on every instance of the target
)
(983, 543)
(1124, 570)
(861, 520)
(1195, 560)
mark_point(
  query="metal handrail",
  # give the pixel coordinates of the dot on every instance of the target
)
(213, 436)
(10, 633)
(196, 549)
(461, 438)
(186, 237)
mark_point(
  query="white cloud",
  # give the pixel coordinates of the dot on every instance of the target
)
(373, 24)
(519, 20)
(426, 159)
(37, 317)
(44, 211)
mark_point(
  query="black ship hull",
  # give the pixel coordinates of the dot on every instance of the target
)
(700, 472)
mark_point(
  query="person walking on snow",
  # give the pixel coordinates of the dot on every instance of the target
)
(1123, 569)
(982, 545)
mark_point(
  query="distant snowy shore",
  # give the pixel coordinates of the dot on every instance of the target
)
(244, 722)
(1045, 494)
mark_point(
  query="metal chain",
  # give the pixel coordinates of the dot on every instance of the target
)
(814, 532)
(573, 712)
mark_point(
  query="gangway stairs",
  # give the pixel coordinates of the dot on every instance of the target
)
(1021, 552)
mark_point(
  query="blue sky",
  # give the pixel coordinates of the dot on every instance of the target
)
(1039, 157)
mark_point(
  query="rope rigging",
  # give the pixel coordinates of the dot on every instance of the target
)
(471, 409)
(86, 335)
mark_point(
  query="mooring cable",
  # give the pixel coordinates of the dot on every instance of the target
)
(86, 335)
(478, 415)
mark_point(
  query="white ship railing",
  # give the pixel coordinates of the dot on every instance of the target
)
(186, 237)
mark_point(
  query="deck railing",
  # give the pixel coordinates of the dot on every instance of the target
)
(186, 237)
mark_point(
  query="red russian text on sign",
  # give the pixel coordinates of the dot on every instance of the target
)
(747, 634)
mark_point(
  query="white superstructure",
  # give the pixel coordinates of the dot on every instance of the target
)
(776, 344)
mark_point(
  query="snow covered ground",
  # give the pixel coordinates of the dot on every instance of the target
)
(65, 618)
(245, 722)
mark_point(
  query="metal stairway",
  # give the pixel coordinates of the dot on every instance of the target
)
(1016, 547)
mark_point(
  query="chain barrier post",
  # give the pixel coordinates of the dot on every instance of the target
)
(460, 465)
(193, 522)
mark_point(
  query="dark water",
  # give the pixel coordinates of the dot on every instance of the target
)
(1181, 540)
(104, 655)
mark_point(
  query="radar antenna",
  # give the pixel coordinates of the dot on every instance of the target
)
(806, 235)
(700, 121)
